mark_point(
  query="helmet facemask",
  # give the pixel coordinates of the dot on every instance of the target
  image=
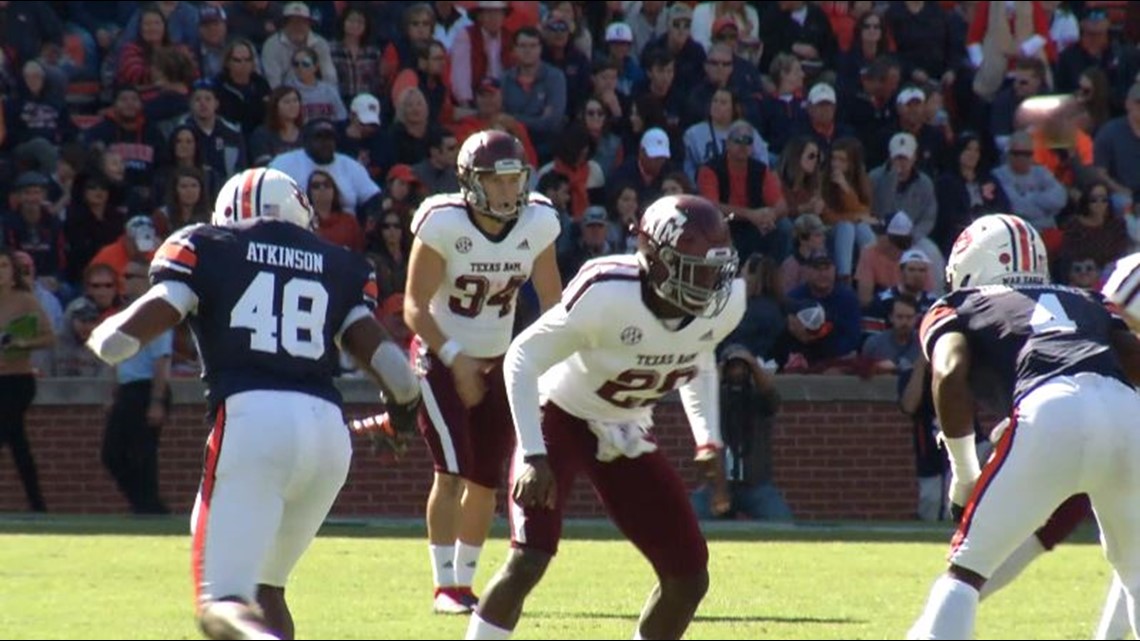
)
(475, 193)
(699, 285)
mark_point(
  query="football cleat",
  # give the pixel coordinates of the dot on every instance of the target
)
(454, 600)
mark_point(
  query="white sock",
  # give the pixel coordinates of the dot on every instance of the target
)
(443, 565)
(477, 628)
(1030, 549)
(637, 634)
(949, 613)
(466, 561)
(1114, 622)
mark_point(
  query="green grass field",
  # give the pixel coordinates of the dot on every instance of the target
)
(88, 578)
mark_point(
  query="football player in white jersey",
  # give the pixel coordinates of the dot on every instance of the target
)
(472, 252)
(582, 383)
(266, 299)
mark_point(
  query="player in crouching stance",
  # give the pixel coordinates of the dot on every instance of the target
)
(629, 330)
(267, 299)
(1054, 359)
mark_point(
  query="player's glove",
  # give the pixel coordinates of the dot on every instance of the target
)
(390, 431)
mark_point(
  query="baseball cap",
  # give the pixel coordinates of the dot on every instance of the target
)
(595, 215)
(900, 225)
(489, 84)
(655, 143)
(822, 92)
(211, 13)
(83, 309)
(485, 5)
(914, 256)
(910, 93)
(808, 223)
(30, 179)
(402, 172)
(141, 230)
(903, 144)
(367, 109)
(812, 316)
(680, 11)
(722, 23)
(619, 32)
(296, 10)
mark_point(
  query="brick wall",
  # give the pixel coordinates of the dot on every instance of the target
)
(848, 459)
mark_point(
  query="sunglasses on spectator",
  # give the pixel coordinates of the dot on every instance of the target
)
(718, 63)
(682, 24)
(1021, 153)
(390, 226)
(420, 23)
(304, 64)
(1098, 200)
(236, 59)
(595, 113)
(740, 139)
(557, 27)
(320, 184)
(873, 25)
(812, 156)
(100, 285)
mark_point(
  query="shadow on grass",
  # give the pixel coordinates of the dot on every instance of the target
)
(633, 617)
(585, 529)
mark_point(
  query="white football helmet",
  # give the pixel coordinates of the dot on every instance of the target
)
(1123, 288)
(998, 249)
(261, 193)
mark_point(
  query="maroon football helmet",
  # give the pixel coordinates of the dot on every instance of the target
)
(492, 152)
(685, 247)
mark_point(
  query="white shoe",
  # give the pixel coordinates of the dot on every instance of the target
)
(453, 600)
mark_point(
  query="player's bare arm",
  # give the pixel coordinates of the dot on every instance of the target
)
(911, 398)
(954, 404)
(377, 355)
(426, 269)
(122, 335)
(547, 279)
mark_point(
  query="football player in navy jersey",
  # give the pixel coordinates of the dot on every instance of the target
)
(268, 302)
(1058, 362)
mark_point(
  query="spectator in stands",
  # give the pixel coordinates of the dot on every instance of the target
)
(211, 40)
(172, 74)
(965, 191)
(296, 33)
(900, 186)
(823, 321)
(221, 142)
(186, 201)
(184, 151)
(43, 360)
(923, 41)
(138, 240)
(810, 239)
(997, 40)
(1033, 192)
(481, 50)
(572, 158)
(534, 92)
(489, 114)
(1094, 231)
(180, 20)
(895, 348)
(429, 75)
(450, 19)
(779, 113)
(645, 171)
(72, 358)
(592, 243)
(659, 87)
(1083, 273)
(801, 177)
(32, 228)
(688, 54)
(606, 146)
(389, 250)
(35, 112)
(872, 104)
(243, 92)
(95, 218)
(1117, 144)
(558, 52)
(134, 61)
(402, 191)
(254, 20)
(619, 49)
(1029, 80)
(847, 205)
(750, 403)
(23, 328)
(913, 283)
(716, 76)
(764, 324)
(677, 183)
(878, 267)
(417, 24)
(648, 21)
(931, 152)
(800, 28)
(26, 27)
(436, 173)
(362, 137)
(357, 59)
(870, 41)
(821, 124)
(281, 131)
(625, 212)
(1094, 95)
(747, 190)
(706, 140)
(411, 127)
(745, 74)
(140, 407)
(332, 223)
(359, 193)
(1095, 49)
(319, 97)
(125, 132)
